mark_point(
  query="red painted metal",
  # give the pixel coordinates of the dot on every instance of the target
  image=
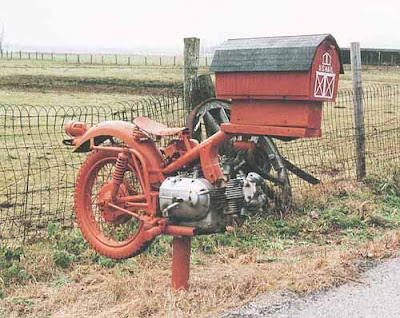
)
(181, 262)
(270, 130)
(208, 153)
(297, 113)
(155, 128)
(147, 149)
(176, 230)
(75, 129)
(244, 145)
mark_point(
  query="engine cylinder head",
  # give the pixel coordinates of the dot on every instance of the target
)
(234, 196)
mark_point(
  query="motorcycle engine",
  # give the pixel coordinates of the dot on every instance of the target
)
(196, 202)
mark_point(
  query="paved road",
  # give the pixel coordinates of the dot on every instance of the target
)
(377, 295)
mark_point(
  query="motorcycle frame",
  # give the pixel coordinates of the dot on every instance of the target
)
(207, 152)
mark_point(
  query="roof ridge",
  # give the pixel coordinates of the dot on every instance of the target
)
(280, 36)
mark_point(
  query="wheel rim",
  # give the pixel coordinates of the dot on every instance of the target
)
(111, 233)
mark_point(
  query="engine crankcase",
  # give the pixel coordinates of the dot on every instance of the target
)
(185, 199)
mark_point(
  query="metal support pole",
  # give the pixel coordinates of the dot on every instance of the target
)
(181, 248)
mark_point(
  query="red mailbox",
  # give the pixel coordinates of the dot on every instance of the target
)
(277, 84)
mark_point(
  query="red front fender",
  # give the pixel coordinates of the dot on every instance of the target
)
(125, 132)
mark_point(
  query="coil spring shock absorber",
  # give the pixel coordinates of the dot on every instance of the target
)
(119, 171)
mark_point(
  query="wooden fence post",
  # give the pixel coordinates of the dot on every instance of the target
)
(203, 90)
(52, 57)
(20, 55)
(78, 59)
(190, 68)
(91, 59)
(145, 60)
(358, 107)
(116, 59)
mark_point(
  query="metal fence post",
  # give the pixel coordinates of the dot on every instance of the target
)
(190, 68)
(358, 108)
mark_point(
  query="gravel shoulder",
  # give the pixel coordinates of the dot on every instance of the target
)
(375, 294)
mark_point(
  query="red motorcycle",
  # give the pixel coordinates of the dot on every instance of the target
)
(129, 190)
(219, 169)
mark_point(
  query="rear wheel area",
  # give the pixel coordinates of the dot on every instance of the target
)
(206, 119)
(109, 231)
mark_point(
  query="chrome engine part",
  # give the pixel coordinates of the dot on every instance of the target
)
(185, 198)
(254, 193)
(246, 195)
(195, 202)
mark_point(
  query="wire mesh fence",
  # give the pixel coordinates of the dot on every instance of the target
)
(103, 59)
(333, 156)
(37, 172)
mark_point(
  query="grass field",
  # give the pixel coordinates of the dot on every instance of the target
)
(315, 248)
(59, 83)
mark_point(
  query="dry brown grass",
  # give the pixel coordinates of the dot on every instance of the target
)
(225, 279)
(222, 281)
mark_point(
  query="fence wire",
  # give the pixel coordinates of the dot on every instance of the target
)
(333, 156)
(37, 172)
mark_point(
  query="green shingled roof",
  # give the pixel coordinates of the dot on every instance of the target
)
(272, 54)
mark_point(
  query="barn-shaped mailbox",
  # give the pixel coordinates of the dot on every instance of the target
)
(277, 84)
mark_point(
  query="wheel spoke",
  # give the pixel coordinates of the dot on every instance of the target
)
(223, 115)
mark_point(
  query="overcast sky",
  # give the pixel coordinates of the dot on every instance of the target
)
(149, 26)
